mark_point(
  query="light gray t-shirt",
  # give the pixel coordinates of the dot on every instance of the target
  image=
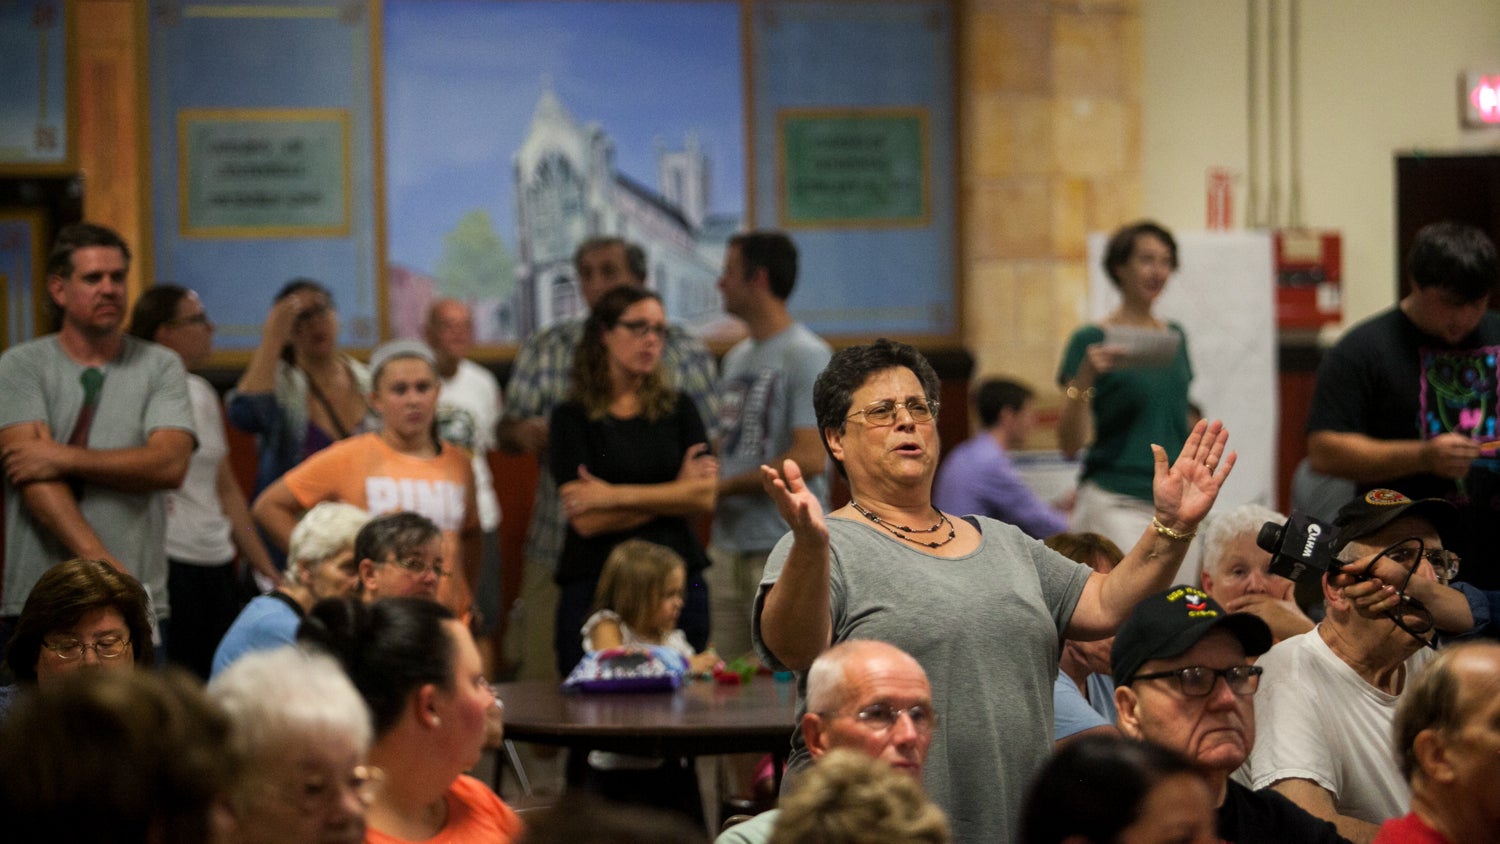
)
(145, 389)
(765, 392)
(986, 627)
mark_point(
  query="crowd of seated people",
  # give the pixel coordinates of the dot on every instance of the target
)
(350, 702)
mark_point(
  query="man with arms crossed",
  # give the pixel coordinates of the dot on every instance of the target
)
(95, 427)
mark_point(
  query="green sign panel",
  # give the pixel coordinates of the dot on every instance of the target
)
(278, 173)
(854, 168)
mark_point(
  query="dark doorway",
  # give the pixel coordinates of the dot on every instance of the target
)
(1430, 188)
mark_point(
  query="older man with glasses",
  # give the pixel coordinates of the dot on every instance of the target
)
(1330, 694)
(1185, 682)
(861, 695)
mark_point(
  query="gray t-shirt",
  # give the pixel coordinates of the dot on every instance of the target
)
(986, 627)
(145, 389)
(765, 391)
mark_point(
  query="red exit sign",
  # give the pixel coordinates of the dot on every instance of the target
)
(1481, 95)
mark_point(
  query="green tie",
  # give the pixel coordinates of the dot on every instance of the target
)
(92, 379)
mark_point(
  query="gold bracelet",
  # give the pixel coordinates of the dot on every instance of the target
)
(1173, 535)
(1075, 394)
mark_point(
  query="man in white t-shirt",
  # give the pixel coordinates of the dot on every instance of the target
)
(468, 410)
(1329, 696)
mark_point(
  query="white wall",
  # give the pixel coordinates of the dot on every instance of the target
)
(1378, 77)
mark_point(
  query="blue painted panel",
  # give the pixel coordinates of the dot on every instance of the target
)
(861, 281)
(287, 54)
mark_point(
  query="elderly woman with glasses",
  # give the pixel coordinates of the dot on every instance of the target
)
(630, 457)
(979, 604)
(419, 672)
(81, 615)
(401, 466)
(300, 733)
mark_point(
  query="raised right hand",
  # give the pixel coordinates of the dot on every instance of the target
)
(796, 503)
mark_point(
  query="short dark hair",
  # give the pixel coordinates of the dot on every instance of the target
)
(773, 252)
(401, 532)
(997, 394)
(1095, 787)
(850, 368)
(155, 307)
(389, 648)
(1122, 245)
(1456, 257)
(81, 236)
(63, 595)
(635, 256)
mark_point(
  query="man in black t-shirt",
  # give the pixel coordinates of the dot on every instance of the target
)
(1407, 400)
(1186, 683)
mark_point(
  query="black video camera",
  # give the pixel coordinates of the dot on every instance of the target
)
(1300, 549)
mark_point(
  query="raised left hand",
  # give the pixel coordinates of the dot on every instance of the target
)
(1184, 493)
(39, 459)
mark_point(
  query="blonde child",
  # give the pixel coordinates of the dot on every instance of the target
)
(638, 601)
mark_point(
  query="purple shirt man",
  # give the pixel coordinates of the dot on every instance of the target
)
(979, 477)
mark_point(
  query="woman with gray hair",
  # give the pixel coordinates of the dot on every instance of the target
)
(1237, 572)
(321, 564)
(300, 733)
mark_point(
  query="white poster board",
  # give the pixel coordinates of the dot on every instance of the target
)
(1223, 295)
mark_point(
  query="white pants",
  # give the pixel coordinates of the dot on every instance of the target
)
(1123, 519)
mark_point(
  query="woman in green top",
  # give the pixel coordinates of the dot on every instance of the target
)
(1116, 407)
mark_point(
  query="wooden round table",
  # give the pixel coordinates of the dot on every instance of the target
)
(698, 719)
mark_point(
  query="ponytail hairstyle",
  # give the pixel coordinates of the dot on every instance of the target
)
(389, 649)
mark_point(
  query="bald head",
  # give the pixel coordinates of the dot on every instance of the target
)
(449, 332)
(872, 697)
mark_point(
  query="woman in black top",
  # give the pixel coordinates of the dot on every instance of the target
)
(630, 457)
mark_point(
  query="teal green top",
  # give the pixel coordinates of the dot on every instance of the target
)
(1131, 409)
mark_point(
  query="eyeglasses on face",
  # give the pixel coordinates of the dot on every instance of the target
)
(317, 793)
(1198, 680)
(882, 414)
(419, 567)
(107, 647)
(881, 718)
(641, 327)
(1406, 553)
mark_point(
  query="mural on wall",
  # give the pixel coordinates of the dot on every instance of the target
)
(595, 118)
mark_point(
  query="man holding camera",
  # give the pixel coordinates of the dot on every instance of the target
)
(1402, 401)
(1329, 695)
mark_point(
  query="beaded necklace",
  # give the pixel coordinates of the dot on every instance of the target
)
(902, 531)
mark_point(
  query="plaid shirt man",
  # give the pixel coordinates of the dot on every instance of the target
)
(540, 381)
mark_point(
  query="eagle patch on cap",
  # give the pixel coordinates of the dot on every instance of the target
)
(1385, 496)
